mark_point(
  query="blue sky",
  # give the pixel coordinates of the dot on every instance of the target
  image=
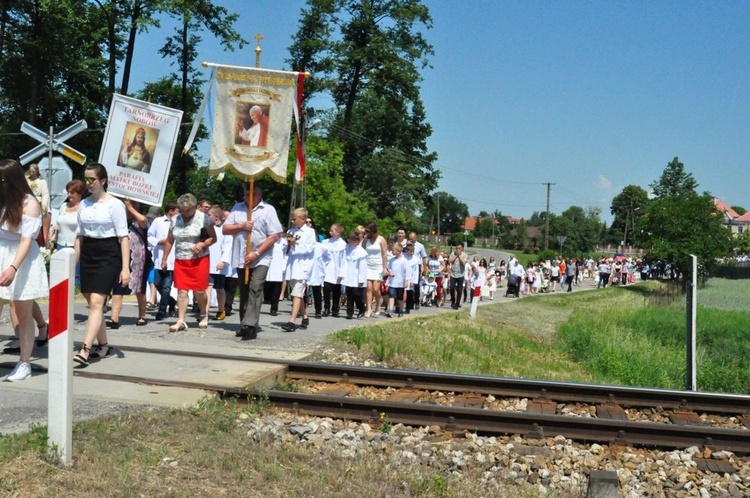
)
(590, 96)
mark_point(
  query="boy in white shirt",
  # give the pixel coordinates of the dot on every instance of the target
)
(300, 246)
(398, 280)
(333, 252)
(354, 275)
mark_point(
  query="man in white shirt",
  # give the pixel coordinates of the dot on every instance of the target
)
(157, 236)
(421, 253)
(264, 229)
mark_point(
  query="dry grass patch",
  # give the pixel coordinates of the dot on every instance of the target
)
(209, 451)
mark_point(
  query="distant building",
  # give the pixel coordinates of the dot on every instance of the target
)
(736, 223)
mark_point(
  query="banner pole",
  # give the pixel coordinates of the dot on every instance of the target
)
(249, 234)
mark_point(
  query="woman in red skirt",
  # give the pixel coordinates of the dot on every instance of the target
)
(191, 232)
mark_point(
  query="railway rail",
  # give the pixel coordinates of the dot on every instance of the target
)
(610, 428)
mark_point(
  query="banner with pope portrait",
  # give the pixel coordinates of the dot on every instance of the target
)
(252, 121)
(137, 149)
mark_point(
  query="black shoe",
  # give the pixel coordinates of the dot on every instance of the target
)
(335, 315)
(349, 317)
(274, 313)
(111, 324)
(248, 333)
(416, 306)
(360, 314)
(289, 327)
(305, 323)
(318, 316)
(160, 315)
(172, 312)
(326, 312)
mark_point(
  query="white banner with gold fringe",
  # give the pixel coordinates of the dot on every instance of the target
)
(252, 121)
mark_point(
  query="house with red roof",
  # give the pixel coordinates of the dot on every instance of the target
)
(735, 222)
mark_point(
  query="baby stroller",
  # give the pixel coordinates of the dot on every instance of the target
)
(514, 286)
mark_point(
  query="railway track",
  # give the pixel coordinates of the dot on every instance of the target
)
(539, 421)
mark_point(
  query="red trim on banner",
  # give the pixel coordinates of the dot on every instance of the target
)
(58, 305)
(300, 173)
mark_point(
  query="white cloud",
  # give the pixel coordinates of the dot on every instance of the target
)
(603, 183)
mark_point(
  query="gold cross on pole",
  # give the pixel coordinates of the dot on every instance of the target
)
(258, 50)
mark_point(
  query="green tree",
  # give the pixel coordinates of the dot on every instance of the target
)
(739, 210)
(627, 207)
(485, 228)
(367, 55)
(680, 222)
(674, 181)
(453, 212)
(327, 199)
(51, 71)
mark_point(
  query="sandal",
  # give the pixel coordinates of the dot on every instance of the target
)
(43, 342)
(178, 327)
(141, 322)
(203, 324)
(80, 359)
(111, 324)
(102, 351)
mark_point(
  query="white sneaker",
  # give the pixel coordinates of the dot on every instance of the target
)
(21, 372)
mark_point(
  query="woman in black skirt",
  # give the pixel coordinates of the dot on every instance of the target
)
(104, 253)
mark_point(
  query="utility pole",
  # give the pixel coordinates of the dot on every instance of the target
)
(546, 221)
(438, 214)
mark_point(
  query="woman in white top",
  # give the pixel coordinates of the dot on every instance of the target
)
(377, 267)
(103, 249)
(64, 232)
(23, 277)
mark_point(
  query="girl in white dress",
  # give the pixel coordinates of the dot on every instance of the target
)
(23, 277)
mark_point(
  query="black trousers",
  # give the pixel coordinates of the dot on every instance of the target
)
(456, 287)
(316, 291)
(354, 295)
(272, 291)
(230, 286)
(332, 292)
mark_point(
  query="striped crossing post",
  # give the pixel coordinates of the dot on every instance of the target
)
(476, 294)
(60, 370)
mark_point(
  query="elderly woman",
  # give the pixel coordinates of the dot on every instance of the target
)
(191, 232)
(23, 277)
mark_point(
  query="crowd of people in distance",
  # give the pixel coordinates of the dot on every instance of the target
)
(202, 249)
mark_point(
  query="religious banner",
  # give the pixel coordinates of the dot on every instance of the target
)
(252, 121)
(138, 147)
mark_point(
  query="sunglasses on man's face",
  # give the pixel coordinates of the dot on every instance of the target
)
(89, 180)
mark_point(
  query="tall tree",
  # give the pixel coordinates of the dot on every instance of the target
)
(50, 48)
(627, 207)
(367, 54)
(194, 16)
(674, 180)
(680, 222)
(453, 212)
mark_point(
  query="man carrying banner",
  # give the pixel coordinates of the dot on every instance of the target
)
(265, 229)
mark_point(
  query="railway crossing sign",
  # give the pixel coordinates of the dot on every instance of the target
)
(49, 143)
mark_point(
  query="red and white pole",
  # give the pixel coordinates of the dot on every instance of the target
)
(60, 370)
(476, 293)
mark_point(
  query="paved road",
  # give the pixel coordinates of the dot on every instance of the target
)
(20, 408)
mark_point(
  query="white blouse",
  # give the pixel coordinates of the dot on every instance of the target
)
(67, 222)
(101, 220)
